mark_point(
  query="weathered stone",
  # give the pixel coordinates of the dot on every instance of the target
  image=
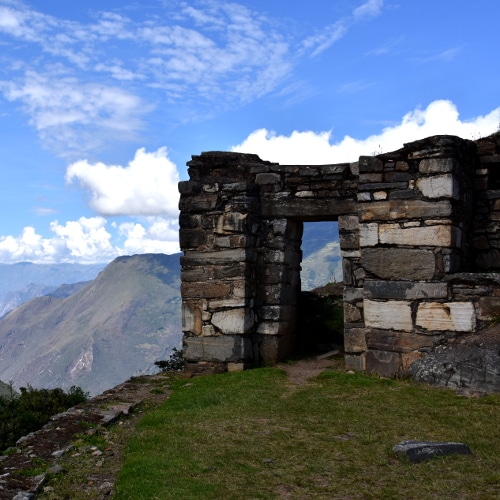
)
(368, 235)
(354, 340)
(489, 308)
(267, 178)
(351, 313)
(418, 451)
(438, 186)
(435, 236)
(400, 263)
(388, 340)
(405, 209)
(208, 290)
(438, 165)
(404, 290)
(355, 362)
(192, 316)
(348, 223)
(393, 314)
(234, 321)
(472, 363)
(455, 316)
(225, 348)
(382, 363)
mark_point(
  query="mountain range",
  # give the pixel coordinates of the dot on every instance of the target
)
(109, 329)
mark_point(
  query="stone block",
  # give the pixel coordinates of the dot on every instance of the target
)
(435, 236)
(235, 367)
(225, 348)
(351, 313)
(399, 263)
(405, 209)
(349, 241)
(418, 451)
(489, 308)
(232, 222)
(355, 340)
(368, 235)
(407, 359)
(454, 316)
(234, 321)
(439, 186)
(224, 257)
(404, 290)
(208, 290)
(355, 362)
(383, 363)
(403, 342)
(270, 328)
(192, 238)
(192, 316)
(348, 223)
(267, 178)
(392, 314)
(438, 165)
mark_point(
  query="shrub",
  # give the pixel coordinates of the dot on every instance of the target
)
(32, 409)
(175, 363)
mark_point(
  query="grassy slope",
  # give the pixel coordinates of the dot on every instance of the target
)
(251, 435)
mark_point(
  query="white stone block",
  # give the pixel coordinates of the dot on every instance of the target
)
(368, 235)
(392, 314)
(454, 316)
(438, 186)
(233, 321)
(436, 236)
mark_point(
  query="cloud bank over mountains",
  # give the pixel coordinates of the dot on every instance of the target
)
(147, 186)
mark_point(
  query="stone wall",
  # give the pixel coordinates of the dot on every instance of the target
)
(409, 221)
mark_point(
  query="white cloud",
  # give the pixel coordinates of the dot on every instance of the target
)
(160, 237)
(328, 35)
(440, 117)
(371, 8)
(71, 114)
(146, 186)
(87, 241)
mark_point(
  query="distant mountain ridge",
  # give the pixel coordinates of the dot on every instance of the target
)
(113, 327)
(23, 281)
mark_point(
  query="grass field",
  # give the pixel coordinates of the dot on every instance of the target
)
(253, 435)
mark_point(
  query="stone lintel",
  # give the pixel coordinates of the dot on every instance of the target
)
(308, 210)
(405, 209)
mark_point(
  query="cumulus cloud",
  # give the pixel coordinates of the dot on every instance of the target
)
(439, 117)
(88, 240)
(146, 186)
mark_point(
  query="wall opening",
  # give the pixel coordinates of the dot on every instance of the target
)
(320, 322)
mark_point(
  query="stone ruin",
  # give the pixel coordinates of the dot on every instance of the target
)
(419, 238)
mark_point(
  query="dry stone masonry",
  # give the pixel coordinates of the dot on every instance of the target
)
(420, 240)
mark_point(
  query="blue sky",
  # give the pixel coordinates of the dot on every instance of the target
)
(103, 102)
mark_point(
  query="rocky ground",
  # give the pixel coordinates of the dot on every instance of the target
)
(78, 454)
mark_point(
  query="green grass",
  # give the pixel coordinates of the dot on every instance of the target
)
(251, 435)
